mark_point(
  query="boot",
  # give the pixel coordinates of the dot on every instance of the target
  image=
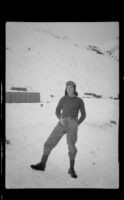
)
(71, 170)
(41, 165)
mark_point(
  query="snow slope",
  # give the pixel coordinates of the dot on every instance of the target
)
(43, 61)
(29, 125)
(111, 48)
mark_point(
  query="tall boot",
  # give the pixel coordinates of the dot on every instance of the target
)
(71, 170)
(42, 164)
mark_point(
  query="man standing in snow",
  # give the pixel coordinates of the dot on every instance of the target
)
(67, 111)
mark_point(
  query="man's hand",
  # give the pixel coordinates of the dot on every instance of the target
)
(62, 122)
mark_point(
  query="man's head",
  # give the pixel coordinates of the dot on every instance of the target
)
(71, 89)
(71, 83)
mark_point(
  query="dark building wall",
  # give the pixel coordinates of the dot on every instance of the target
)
(27, 98)
(17, 97)
(8, 97)
(22, 97)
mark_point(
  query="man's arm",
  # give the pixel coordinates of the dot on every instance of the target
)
(83, 112)
(59, 108)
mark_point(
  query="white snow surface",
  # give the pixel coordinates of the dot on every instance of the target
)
(113, 47)
(42, 61)
(29, 125)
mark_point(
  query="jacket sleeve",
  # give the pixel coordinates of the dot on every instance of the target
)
(83, 112)
(59, 108)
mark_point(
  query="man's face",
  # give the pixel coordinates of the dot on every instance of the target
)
(70, 90)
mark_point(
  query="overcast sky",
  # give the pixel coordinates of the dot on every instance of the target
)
(85, 32)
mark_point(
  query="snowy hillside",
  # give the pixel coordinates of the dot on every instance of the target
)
(44, 61)
(110, 49)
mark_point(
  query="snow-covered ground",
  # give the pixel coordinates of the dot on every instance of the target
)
(29, 125)
(38, 60)
(42, 62)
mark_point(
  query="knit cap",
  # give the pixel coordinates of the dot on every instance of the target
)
(71, 83)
